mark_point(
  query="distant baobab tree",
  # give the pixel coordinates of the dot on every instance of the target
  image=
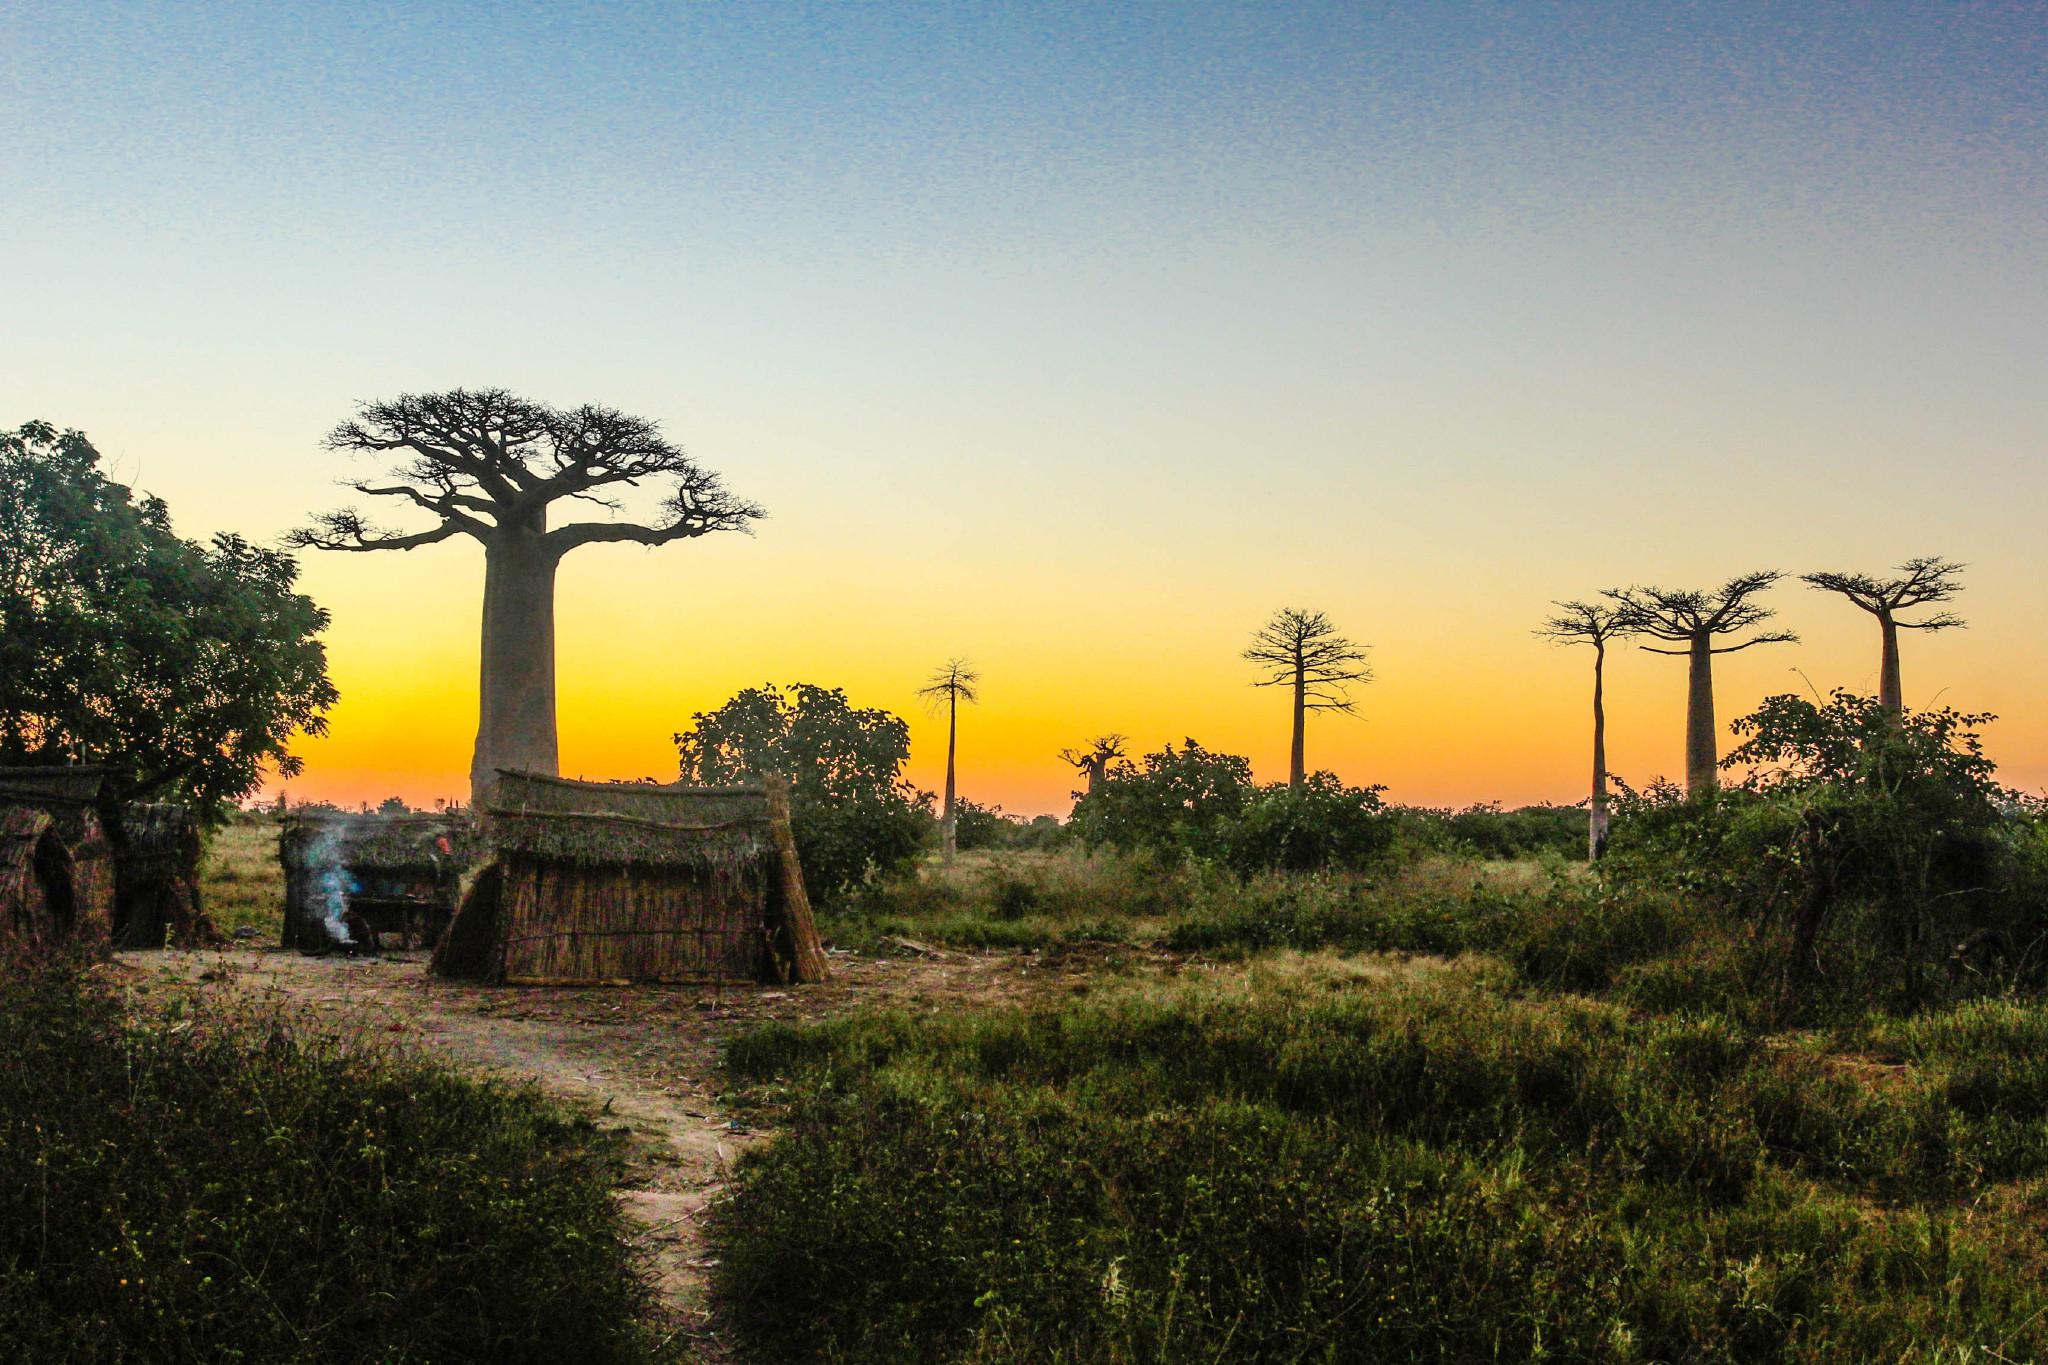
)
(1696, 620)
(949, 686)
(489, 465)
(1093, 761)
(1302, 651)
(1594, 624)
(1920, 583)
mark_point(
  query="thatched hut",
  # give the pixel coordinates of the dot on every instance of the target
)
(602, 883)
(47, 899)
(353, 881)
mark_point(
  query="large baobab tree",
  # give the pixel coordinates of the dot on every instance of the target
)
(1921, 582)
(1695, 620)
(1592, 624)
(949, 686)
(1302, 651)
(485, 464)
(1093, 761)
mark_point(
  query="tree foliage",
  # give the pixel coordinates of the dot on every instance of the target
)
(1175, 800)
(1322, 823)
(852, 812)
(186, 668)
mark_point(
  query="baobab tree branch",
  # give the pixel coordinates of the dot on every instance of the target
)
(348, 531)
(1776, 637)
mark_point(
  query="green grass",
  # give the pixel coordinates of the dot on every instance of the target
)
(205, 1186)
(241, 882)
(1329, 1160)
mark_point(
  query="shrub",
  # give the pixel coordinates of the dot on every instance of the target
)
(1323, 824)
(217, 1188)
(852, 813)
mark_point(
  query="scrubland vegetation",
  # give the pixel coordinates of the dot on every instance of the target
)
(1771, 1084)
(213, 1186)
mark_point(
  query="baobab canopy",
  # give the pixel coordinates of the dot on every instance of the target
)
(489, 465)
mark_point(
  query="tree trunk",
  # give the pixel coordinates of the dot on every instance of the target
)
(1596, 814)
(1097, 766)
(949, 845)
(1889, 696)
(516, 682)
(1702, 769)
(1297, 766)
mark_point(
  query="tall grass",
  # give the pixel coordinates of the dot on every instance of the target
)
(1319, 1160)
(241, 881)
(212, 1187)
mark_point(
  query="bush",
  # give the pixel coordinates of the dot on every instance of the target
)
(1179, 802)
(1323, 824)
(852, 813)
(216, 1188)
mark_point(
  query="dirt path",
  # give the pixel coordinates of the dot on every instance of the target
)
(641, 1058)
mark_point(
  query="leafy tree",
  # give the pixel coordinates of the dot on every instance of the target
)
(491, 466)
(1898, 811)
(1594, 624)
(1322, 823)
(850, 809)
(1696, 620)
(949, 686)
(1921, 582)
(185, 668)
(1302, 651)
(1177, 801)
(393, 805)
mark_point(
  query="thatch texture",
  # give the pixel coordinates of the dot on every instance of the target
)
(65, 797)
(400, 872)
(589, 882)
(156, 877)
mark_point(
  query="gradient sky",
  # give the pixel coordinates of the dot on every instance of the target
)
(1075, 339)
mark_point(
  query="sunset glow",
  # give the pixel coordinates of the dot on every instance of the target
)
(1075, 341)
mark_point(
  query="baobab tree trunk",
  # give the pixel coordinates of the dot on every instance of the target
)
(1297, 764)
(1889, 695)
(946, 829)
(1097, 766)
(1702, 768)
(1596, 815)
(516, 683)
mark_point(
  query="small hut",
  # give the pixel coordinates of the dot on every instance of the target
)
(156, 877)
(352, 882)
(59, 881)
(604, 883)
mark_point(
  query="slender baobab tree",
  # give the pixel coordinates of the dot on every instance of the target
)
(949, 686)
(1920, 583)
(1695, 620)
(1302, 651)
(1592, 624)
(1093, 762)
(489, 465)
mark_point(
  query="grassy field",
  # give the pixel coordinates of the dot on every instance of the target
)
(1589, 1125)
(241, 883)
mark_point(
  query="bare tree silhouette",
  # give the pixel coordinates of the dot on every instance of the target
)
(1093, 761)
(489, 465)
(1302, 651)
(1921, 582)
(950, 685)
(1695, 620)
(1594, 624)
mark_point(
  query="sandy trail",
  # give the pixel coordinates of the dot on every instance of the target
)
(641, 1058)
